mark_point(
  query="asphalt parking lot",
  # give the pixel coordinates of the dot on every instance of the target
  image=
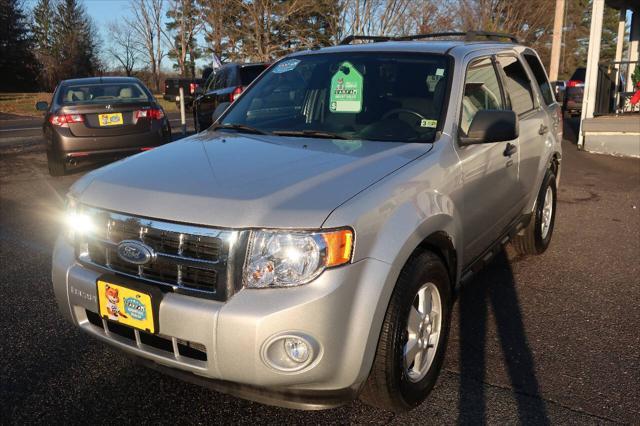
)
(547, 339)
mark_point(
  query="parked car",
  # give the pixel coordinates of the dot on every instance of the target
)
(573, 93)
(189, 86)
(307, 248)
(223, 85)
(559, 88)
(101, 117)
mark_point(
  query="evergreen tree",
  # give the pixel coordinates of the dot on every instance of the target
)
(182, 29)
(42, 30)
(17, 63)
(74, 41)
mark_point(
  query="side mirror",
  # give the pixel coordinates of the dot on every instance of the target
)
(198, 91)
(490, 126)
(222, 106)
(42, 106)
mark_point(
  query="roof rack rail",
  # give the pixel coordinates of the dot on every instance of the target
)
(468, 36)
(348, 39)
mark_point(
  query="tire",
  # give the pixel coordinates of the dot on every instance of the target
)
(57, 166)
(392, 385)
(534, 239)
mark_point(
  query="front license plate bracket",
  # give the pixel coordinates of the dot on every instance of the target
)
(129, 302)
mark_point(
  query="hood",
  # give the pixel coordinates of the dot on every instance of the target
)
(236, 181)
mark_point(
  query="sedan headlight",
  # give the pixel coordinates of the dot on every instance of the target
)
(287, 259)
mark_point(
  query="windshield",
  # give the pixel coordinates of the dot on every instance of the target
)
(377, 96)
(80, 94)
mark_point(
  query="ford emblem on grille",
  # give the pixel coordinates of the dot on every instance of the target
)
(135, 252)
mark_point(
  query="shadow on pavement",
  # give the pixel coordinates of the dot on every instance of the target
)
(495, 288)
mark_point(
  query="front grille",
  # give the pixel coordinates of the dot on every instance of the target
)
(188, 258)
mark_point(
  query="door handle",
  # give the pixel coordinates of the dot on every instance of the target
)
(543, 129)
(510, 150)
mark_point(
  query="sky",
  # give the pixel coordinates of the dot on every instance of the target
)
(103, 12)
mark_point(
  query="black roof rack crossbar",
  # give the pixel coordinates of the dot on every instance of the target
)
(468, 36)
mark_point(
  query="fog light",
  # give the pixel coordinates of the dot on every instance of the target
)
(296, 349)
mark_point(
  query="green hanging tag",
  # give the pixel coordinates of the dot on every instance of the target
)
(346, 90)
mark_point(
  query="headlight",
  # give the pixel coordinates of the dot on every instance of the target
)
(77, 223)
(286, 259)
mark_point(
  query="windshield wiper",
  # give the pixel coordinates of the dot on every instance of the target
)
(309, 134)
(239, 127)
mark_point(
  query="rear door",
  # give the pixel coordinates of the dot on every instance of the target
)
(213, 96)
(533, 121)
(490, 176)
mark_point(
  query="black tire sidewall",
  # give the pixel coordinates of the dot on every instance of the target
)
(543, 243)
(414, 393)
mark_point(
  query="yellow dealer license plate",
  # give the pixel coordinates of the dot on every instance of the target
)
(113, 119)
(126, 306)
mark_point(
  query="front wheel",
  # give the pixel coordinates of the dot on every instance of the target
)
(413, 339)
(536, 237)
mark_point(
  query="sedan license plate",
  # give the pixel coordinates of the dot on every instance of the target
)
(113, 119)
(126, 306)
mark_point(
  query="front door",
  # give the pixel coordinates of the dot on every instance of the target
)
(490, 173)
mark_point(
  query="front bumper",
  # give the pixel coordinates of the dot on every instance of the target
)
(341, 311)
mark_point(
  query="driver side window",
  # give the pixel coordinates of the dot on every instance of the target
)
(481, 91)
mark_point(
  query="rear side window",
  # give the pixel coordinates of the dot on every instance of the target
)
(250, 73)
(102, 93)
(541, 77)
(481, 91)
(518, 86)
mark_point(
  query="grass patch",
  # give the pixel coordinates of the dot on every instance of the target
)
(22, 103)
(25, 103)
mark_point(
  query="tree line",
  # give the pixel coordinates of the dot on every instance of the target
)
(57, 39)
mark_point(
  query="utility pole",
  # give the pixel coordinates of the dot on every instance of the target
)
(556, 46)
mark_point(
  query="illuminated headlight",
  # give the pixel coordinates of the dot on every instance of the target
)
(287, 259)
(77, 222)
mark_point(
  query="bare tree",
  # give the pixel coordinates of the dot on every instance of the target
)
(123, 47)
(146, 26)
(377, 17)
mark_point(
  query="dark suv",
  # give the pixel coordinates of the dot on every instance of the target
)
(224, 85)
(572, 104)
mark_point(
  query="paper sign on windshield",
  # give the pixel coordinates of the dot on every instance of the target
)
(346, 90)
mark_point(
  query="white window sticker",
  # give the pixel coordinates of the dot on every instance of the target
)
(286, 66)
(440, 72)
(432, 124)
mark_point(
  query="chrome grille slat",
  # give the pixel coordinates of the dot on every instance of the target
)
(187, 257)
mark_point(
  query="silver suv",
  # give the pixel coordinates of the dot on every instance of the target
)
(306, 249)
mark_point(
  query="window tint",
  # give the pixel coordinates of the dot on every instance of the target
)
(518, 84)
(541, 78)
(221, 79)
(481, 91)
(102, 93)
(356, 95)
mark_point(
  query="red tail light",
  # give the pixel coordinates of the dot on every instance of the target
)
(574, 83)
(63, 120)
(151, 114)
(192, 87)
(236, 92)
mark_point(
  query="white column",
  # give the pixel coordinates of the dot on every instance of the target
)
(593, 57)
(556, 45)
(634, 47)
(621, 34)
